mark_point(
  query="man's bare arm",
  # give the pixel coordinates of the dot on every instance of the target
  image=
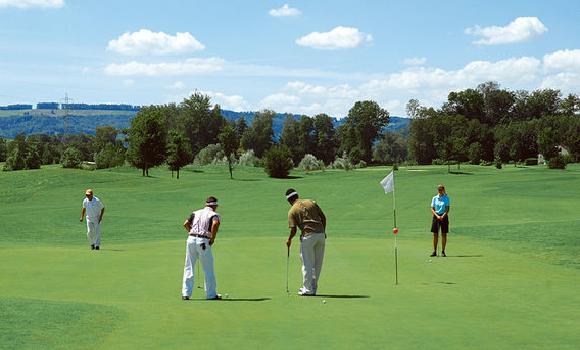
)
(292, 234)
(187, 225)
(215, 225)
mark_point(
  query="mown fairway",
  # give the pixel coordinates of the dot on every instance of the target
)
(511, 279)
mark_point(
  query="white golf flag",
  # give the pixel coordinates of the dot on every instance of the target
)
(388, 183)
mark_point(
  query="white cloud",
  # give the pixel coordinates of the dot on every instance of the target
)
(190, 66)
(23, 4)
(281, 102)
(146, 42)
(303, 88)
(510, 71)
(285, 11)
(235, 103)
(429, 85)
(305, 93)
(567, 60)
(415, 61)
(178, 85)
(519, 30)
(567, 82)
(338, 38)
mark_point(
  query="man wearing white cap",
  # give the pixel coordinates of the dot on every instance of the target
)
(202, 227)
(94, 210)
(308, 216)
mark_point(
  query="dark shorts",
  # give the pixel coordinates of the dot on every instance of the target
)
(436, 224)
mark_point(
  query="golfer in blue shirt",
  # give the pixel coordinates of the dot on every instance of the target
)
(440, 210)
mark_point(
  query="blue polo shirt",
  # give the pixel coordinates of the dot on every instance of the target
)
(439, 203)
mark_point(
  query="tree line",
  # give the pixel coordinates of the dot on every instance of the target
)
(485, 125)
(490, 124)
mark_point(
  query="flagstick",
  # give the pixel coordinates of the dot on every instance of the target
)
(394, 226)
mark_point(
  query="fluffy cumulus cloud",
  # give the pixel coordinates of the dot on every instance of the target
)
(192, 66)
(146, 42)
(279, 101)
(566, 82)
(32, 3)
(567, 60)
(284, 11)
(519, 30)
(310, 92)
(338, 38)
(431, 85)
(415, 61)
(515, 71)
(235, 103)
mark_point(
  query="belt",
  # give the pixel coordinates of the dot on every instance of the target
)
(197, 235)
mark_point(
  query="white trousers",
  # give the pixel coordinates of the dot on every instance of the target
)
(194, 250)
(312, 255)
(94, 232)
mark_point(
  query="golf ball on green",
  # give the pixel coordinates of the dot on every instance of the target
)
(324, 301)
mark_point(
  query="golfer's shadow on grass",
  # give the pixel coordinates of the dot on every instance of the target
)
(246, 299)
(342, 296)
(465, 256)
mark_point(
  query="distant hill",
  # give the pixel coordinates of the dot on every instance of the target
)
(34, 121)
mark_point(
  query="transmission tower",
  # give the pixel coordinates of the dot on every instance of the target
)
(65, 107)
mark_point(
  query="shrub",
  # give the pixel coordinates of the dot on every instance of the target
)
(355, 154)
(438, 161)
(361, 164)
(342, 163)
(557, 162)
(485, 163)
(531, 161)
(33, 159)
(309, 163)
(15, 160)
(278, 161)
(209, 154)
(497, 162)
(568, 158)
(221, 161)
(71, 158)
(109, 157)
(248, 158)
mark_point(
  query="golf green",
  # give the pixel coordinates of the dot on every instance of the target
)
(510, 280)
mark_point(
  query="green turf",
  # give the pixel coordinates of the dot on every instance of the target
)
(511, 279)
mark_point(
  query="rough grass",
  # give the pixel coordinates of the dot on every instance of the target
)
(34, 324)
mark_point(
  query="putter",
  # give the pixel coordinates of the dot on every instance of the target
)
(287, 268)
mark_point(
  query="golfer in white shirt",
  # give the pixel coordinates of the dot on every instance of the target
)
(94, 210)
(202, 227)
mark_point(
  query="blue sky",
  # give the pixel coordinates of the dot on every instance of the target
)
(304, 57)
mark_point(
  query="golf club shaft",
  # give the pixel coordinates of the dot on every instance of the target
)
(287, 269)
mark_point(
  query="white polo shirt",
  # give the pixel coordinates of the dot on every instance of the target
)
(201, 221)
(93, 208)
